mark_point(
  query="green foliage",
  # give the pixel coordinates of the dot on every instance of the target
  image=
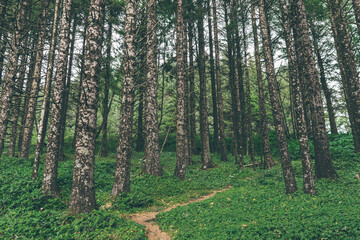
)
(257, 208)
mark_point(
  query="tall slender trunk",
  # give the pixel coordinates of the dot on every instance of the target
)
(47, 91)
(151, 150)
(323, 82)
(219, 87)
(49, 183)
(17, 101)
(234, 85)
(8, 84)
(289, 178)
(105, 103)
(213, 83)
(248, 94)
(67, 91)
(35, 86)
(82, 197)
(80, 80)
(306, 62)
(3, 36)
(204, 124)
(346, 58)
(308, 176)
(262, 109)
(122, 171)
(192, 94)
(187, 106)
(180, 168)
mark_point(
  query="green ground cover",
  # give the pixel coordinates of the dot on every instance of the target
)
(256, 207)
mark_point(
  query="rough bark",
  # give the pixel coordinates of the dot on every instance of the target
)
(204, 124)
(219, 87)
(122, 171)
(323, 82)
(35, 78)
(47, 91)
(180, 168)
(49, 183)
(268, 161)
(82, 197)
(192, 94)
(308, 176)
(213, 82)
(105, 103)
(3, 36)
(151, 149)
(306, 62)
(289, 178)
(8, 83)
(346, 58)
(234, 85)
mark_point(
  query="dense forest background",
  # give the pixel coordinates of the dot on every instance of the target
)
(111, 102)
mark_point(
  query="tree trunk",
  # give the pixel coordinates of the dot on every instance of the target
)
(213, 83)
(192, 94)
(151, 150)
(47, 92)
(35, 78)
(8, 84)
(262, 109)
(122, 171)
(3, 36)
(288, 173)
(180, 168)
(105, 103)
(306, 62)
(49, 184)
(82, 197)
(346, 59)
(324, 84)
(204, 124)
(234, 85)
(308, 176)
(219, 87)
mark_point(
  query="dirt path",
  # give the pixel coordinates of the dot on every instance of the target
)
(147, 218)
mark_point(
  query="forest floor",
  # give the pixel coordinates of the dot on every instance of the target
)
(255, 207)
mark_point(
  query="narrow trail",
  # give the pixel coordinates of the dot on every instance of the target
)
(148, 218)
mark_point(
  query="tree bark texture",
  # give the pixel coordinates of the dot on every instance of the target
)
(35, 86)
(47, 92)
(8, 83)
(268, 161)
(346, 58)
(289, 178)
(49, 183)
(122, 171)
(82, 197)
(180, 168)
(306, 62)
(204, 124)
(308, 176)
(218, 86)
(151, 150)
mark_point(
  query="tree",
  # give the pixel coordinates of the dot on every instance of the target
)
(122, 171)
(262, 109)
(290, 183)
(151, 150)
(82, 197)
(306, 65)
(46, 101)
(348, 66)
(218, 86)
(49, 183)
(8, 83)
(308, 177)
(204, 125)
